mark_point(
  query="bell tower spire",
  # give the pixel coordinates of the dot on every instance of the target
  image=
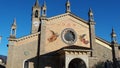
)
(113, 36)
(13, 29)
(68, 6)
(44, 8)
(90, 15)
(114, 46)
(37, 3)
(36, 10)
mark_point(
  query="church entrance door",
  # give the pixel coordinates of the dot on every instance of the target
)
(77, 63)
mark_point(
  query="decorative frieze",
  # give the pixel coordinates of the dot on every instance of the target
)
(76, 52)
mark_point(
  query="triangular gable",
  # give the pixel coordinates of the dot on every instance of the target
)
(56, 26)
(67, 14)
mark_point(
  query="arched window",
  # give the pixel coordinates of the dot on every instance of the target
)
(13, 32)
(36, 13)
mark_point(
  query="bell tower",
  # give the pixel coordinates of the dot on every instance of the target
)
(36, 9)
(44, 8)
(13, 29)
(68, 6)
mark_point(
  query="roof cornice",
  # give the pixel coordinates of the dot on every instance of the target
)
(102, 40)
(66, 14)
(25, 37)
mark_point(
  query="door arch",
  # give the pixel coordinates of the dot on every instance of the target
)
(77, 63)
(26, 64)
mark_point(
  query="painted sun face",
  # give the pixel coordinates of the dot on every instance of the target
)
(36, 23)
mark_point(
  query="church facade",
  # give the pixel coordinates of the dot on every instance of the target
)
(62, 41)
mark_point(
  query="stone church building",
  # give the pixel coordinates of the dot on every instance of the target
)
(62, 41)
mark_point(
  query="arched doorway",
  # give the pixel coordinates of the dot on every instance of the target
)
(26, 64)
(77, 63)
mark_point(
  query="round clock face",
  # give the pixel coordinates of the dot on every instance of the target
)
(36, 23)
(69, 36)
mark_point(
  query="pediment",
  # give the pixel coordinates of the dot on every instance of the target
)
(67, 14)
(57, 26)
(66, 17)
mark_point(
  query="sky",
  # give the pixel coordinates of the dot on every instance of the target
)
(106, 15)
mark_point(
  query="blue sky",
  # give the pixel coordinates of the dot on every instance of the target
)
(106, 14)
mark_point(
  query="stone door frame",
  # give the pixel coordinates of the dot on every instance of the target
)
(69, 56)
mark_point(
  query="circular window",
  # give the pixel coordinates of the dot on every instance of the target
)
(69, 36)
